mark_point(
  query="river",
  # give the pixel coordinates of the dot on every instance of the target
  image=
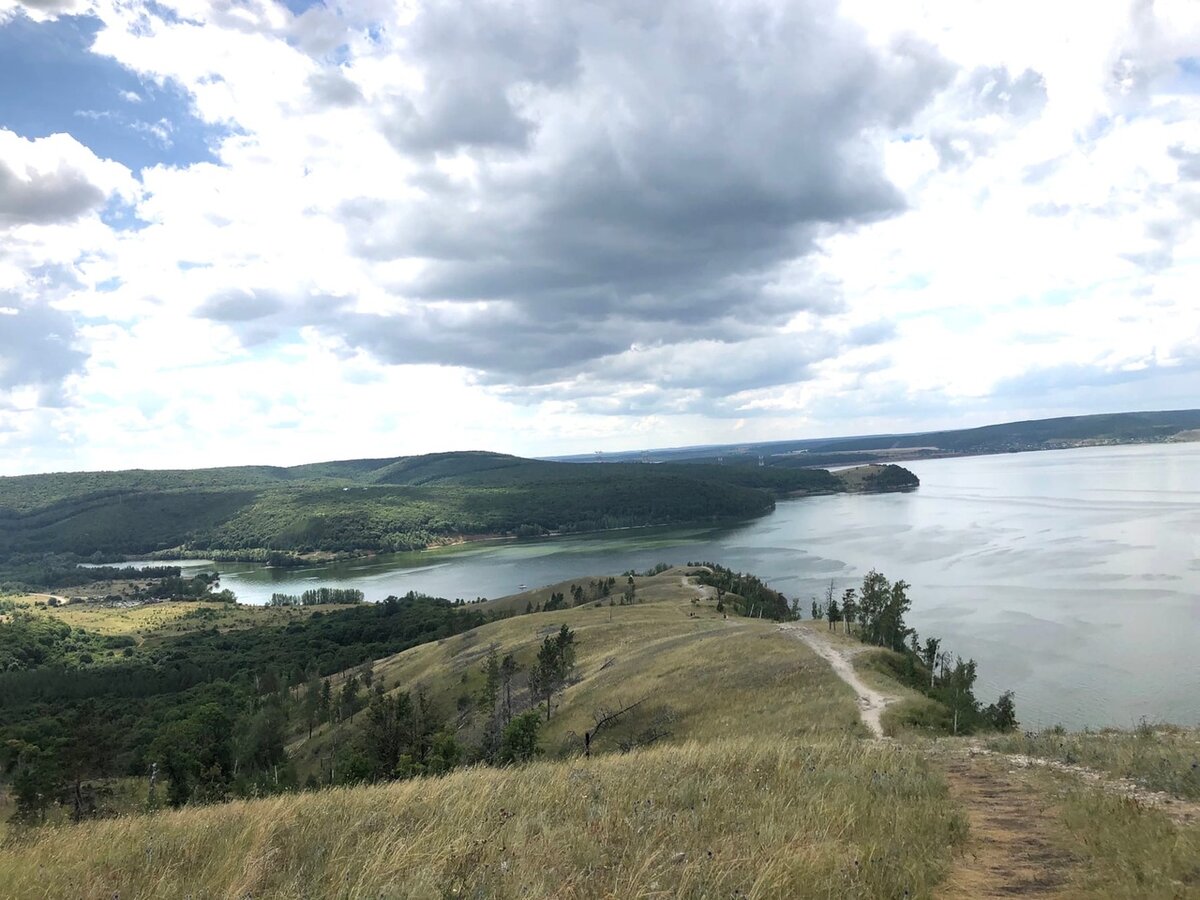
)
(1071, 576)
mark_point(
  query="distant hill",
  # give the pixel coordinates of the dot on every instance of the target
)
(1038, 434)
(375, 505)
(1009, 437)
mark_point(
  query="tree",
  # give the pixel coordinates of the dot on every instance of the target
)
(892, 630)
(1002, 715)
(85, 755)
(381, 734)
(491, 682)
(196, 755)
(312, 703)
(816, 610)
(35, 777)
(348, 701)
(508, 670)
(260, 739)
(849, 608)
(930, 657)
(630, 590)
(555, 662)
(445, 753)
(519, 742)
(833, 614)
(959, 697)
(325, 703)
(873, 597)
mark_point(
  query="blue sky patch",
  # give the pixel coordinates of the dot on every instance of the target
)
(1187, 79)
(54, 83)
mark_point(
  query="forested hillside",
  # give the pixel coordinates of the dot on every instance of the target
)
(371, 505)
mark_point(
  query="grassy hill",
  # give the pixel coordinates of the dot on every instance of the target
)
(371, 505)
(744, 772)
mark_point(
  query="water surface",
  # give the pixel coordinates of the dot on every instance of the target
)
(1072, 576)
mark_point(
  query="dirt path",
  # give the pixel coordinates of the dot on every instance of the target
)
(1010, 852)
(703, 591)
(871, 703)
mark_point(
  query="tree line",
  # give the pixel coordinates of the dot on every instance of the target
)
(319, 597)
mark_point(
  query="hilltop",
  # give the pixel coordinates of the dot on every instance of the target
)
(739, 768)
(373, 505)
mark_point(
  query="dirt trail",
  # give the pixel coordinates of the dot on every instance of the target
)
(703, 591)
(871, 703)
(1010, 852)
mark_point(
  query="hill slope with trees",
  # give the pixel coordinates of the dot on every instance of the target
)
(372, 505)
(634, 743)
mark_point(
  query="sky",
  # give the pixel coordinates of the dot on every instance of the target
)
(261, 232)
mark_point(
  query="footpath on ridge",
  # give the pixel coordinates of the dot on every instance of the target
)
(1010, 851)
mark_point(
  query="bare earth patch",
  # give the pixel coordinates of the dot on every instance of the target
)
(1010, 852)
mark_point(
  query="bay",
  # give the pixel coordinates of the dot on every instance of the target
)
(1071, 576)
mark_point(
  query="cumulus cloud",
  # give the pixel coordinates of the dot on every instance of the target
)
(38, 10)
(632, 175)
(53, 180)
(599, 218)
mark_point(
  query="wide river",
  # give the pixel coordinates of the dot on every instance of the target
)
(1071, 576)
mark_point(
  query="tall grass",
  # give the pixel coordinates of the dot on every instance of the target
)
(732, 818)
(1124, 849)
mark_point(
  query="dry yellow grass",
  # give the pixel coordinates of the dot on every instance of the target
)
(699, 675)
(761, 788)
(733, 818)
(161, 619)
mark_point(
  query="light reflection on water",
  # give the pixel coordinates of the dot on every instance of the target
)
(1072, 576)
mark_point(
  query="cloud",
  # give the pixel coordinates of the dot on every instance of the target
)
(38, 348)
(575, 225)
(330, 87)
(38, 10)
(986, 106)
(53, 180)
(40, 198)
(624, 175)
(1189, 162)
(241, 305)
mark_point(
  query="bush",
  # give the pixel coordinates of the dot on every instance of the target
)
(519, 741)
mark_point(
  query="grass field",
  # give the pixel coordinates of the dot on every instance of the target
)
(757, 782)
(697, 674)
(732, 818)
(164, 619)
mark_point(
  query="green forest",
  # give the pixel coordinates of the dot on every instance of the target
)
(209, 707)
(366, 506)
